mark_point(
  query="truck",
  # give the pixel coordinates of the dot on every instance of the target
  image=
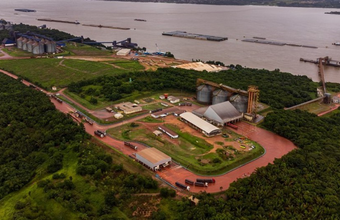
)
(206, 180)
(201, 184)
(98, 134)
(182, 186)
(189, 182)
(130, 145)
(102, 132)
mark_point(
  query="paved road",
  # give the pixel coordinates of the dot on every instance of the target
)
(275, 146)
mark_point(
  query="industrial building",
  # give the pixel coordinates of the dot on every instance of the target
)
(128, 107)
(153, 158)
(173, 99)
(199, 124)
(167, 131)
(219, 114)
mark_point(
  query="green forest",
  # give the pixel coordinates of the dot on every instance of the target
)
(277, 89)
(50, 169)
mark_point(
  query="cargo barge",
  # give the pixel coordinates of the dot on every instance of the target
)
(185, 34)
(276, 43)
(24, 10)
(105, 26)
(60, 21)
(137, 19)
(333, 13)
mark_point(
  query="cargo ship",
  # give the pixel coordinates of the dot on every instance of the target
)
(106, 26)
(185, 34)
(336, 43)
(52, 20)
(24, 10)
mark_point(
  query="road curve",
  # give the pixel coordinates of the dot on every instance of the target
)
(275, 146)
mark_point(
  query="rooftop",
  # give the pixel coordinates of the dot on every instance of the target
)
(153, 155)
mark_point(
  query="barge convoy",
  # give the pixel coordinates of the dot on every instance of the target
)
(24, 10)
(185, 34)
(276, 43)
(60, 21)
(105, 26)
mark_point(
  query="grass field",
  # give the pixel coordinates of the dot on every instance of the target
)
(50, 72)
(15, 52)
(86, 50)
(191, 151)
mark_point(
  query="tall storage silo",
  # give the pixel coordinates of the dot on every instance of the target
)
(24, 43)
(30, 43)
(204, 94)
(219, 96)
(239, 102)
(54, 46)
(38, 48)
(19, 42)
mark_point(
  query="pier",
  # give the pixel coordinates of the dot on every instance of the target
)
(325, 61)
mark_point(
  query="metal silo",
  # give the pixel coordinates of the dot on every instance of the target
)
(204, 94)
(239, 102)
(30, 43)
(38, 48)
(24, 43)
(327, 98)
(219, 96)
(54, 46)
(19, 42)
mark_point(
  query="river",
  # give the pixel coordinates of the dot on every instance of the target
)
(307, 26)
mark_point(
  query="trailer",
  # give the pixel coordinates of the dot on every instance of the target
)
(182, 186)
(232, 126)
(89, 121)
(206, 180)
(156, 110)
(130, 145)
(98, 134)
(202, 184)
(189, 182)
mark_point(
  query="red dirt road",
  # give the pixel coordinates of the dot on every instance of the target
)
(276, 146)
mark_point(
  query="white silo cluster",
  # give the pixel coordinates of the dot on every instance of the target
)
(36, 44)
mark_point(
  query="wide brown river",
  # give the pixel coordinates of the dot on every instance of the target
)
(307, 26)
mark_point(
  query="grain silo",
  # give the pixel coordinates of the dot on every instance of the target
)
(38, 48)
(24, 43)
(239, 102)
(219, 96)
(19, 42)
(30, 43)
(204, 94)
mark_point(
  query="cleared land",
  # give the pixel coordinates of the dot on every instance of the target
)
(60, 72)
(214, 155)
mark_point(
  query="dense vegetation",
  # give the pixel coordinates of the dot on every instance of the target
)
(284, 3)
(302, 185)
(277, 89)
(57, 172)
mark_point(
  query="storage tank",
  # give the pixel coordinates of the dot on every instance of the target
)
(50, 46)
(19, 42)
(24, 43)
(30, 43)
(204, 94)
(38, 48)
(328, 98)
(219, 96)
(239, 102)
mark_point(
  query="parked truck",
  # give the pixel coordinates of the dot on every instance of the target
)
(201, 184)
(130, 145)
(206, 180)
(99, 134)
(189, 182)
(182, 186)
